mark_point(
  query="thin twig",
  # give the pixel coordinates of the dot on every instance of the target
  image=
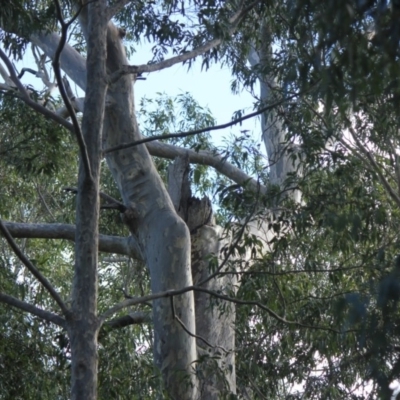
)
(375, 166)
(60, 83)
(111, 202)
(190, 333)
(198, 131)
(35, 272)
(168, 293)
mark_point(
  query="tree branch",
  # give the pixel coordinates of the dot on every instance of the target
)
(107, 244)
(134, 318)
(198, 131)
(169, 293)
(110, 201)
(64, 95)
(22, 305)
(24, 95)
(35, 272)
(140, 69)
(184, 327)
(375, 167)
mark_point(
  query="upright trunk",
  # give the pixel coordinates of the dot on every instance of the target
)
(162, 235)
(83, 324)
(215, 319)
(280, 151)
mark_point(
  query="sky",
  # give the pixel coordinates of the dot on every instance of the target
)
(209, 87)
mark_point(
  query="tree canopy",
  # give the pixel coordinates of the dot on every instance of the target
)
(140, 260)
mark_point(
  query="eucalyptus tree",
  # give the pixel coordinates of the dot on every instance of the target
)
(294, 243)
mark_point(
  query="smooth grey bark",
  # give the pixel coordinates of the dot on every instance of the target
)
(119, 100)
(72, 63)
(280, 151)
(162, 235)
(83, 324)
(107, 244)
(215, 319)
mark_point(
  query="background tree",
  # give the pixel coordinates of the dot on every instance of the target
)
(300, 259)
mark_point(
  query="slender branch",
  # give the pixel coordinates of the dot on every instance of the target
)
(198, 131)
(108, 244)
(290, 272)
(375, 166)
(190, 333)
(111, 202)
(147, 68)
(35, 272)
(64, 95)
(22, 305)
(169, 293)
(136, 318)
(24, 95)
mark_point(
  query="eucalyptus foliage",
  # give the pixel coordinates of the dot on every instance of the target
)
(317, 301)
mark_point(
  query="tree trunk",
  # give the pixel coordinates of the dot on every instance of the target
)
(162, 235)
(215, 320)
(280, 150)
(83, 324)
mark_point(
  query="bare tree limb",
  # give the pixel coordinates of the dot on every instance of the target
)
(5, 76)
(73, 64)
(183, 326)
(108, 244)
(43, 314)
(111, 202)
(35, 272)
(140, 69)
